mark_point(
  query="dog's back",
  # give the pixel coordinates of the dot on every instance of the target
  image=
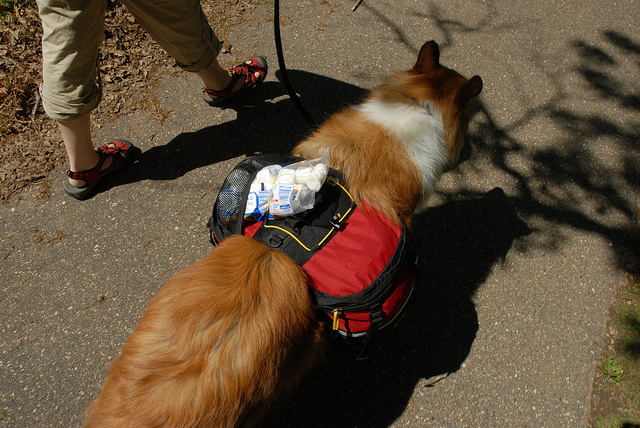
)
(393, 147)
(216, 345)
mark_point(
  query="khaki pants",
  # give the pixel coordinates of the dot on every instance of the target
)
(74, 31)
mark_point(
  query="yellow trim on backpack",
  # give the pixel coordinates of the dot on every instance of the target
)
(332, 182)
(288, 233)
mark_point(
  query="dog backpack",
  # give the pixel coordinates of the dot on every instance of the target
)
(361, 273)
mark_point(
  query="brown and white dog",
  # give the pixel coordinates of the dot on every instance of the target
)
(226, 335)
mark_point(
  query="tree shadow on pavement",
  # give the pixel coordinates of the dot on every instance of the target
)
(588, 178)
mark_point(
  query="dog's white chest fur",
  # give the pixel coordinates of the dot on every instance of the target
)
(420, 129)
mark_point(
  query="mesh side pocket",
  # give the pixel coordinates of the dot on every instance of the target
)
(230, 205)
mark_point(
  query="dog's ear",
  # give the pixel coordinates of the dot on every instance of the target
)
(471, 89)
(428, 58)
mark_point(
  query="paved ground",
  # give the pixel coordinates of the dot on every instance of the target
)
(519, 253)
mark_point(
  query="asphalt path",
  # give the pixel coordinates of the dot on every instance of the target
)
(520, 252)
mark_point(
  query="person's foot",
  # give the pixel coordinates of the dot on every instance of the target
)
(113, 156)
(244, 78)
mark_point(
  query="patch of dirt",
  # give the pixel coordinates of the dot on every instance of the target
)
(130, 64)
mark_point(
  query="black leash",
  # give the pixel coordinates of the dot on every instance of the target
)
(283, 70)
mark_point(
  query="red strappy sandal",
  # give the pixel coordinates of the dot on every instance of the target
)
(253, 71)
(113, 150)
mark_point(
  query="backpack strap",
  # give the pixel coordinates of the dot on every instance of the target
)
(375, 318)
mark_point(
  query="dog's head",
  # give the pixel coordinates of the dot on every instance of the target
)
(439, 89)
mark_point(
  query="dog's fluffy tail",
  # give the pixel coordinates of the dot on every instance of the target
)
(217, 344)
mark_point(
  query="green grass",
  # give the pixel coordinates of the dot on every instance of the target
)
(611, 369)
(620, 367)
(631, 327)
(617, 422)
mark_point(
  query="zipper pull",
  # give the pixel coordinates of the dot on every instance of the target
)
(336, 323)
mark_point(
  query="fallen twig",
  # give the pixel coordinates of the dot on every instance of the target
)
(98, 300)
(435, 379)
(144, 247)
(36, 104)
(8, 59)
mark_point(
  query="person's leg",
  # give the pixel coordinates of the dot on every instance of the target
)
(219, 82)
(215, 77)
(73, 31)
(76, 134)
(181, 28)
(72, 35)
